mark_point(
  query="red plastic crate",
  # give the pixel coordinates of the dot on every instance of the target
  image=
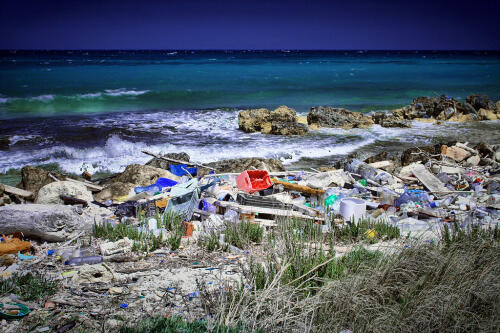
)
(253, 180)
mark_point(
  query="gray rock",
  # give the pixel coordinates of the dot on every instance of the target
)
(163, 164)
(479, 101)
(291, 128)
(114, 191)
(473, 160)
(34, 178)
(282, 121)
(54, 223)
(141, 175)
(388, 120)
(50, 193)
(327, 116)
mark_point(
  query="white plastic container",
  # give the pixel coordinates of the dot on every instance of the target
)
(152, 224)
(352, 209)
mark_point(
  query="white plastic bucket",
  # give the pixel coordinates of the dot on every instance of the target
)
(352, 209)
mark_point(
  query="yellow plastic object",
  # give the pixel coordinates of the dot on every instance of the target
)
(68, 274)
(122, 198)
(371, 233)
(162, 203)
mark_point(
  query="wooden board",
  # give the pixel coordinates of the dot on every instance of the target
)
(299, 188)
(381, 164)
(91, 187)
(262, 210)
(17, 191)
(430, 181)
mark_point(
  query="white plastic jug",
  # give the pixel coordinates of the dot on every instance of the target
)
(352, 209)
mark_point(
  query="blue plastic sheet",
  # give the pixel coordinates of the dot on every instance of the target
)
(180, 170)
(157, 186)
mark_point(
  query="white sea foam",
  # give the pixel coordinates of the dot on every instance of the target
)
(124, 92)
(90, 95)
(43, 98)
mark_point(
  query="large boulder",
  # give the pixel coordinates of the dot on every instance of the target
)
(50, 193)
(142, 175)
(480, 102)
(34, 178)
(485, 114)
(388, 120)
(497, 107)
(54, 223)
(327, 116)
(282, 121)
(114, 191)
(242, 164)
(164, 164)
(440, 108)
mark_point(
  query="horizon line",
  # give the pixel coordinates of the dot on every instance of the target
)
(242, 49)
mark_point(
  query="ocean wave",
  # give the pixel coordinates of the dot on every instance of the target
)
(117, 152)
(124, 92)
(43, 98)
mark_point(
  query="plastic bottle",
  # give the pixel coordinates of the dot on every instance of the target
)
(384, 178)
(412, 196)
(386, 196)
(336, 205)
(82, 252)
(78, 261)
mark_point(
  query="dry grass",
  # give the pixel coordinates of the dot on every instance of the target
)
(425, 287)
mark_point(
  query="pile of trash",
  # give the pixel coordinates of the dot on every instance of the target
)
(51, 228)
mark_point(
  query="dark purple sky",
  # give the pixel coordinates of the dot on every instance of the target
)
(250, 24)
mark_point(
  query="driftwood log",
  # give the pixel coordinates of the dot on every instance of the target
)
(53, 223)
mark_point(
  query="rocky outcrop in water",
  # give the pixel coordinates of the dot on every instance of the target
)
(480, 102)
(476, 107)
(282, 121)
(388, 120)
(327, 116)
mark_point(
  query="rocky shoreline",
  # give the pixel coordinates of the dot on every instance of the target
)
(284, 120)
(142, 261)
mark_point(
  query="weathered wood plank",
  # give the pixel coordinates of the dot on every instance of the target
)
(17, 191)
(299, 188)
(429, 180)
(381, 164)
(262, 210)
(176, 161)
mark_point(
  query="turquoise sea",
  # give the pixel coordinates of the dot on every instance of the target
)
(95, 110)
